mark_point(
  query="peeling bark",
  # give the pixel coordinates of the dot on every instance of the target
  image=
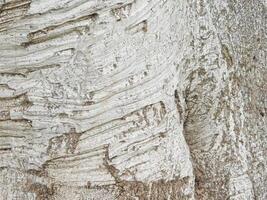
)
(133, 99)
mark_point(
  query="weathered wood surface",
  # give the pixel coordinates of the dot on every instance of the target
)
(133, 99)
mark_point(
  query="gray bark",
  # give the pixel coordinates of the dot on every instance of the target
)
(133, 99)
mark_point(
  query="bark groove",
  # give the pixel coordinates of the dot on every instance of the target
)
(133, 99)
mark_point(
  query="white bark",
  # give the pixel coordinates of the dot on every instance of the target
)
(133, 99)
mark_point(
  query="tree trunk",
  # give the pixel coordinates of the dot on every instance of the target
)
(133, 99)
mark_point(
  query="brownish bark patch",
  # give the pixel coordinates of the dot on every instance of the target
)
(66, 143)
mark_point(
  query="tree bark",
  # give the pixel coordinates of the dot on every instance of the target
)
(133, 99)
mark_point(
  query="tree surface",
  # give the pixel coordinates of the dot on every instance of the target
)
(133, 99)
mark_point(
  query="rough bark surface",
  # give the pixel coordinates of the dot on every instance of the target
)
(133, 99)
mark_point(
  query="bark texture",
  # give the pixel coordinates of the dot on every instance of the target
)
(133, 99)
